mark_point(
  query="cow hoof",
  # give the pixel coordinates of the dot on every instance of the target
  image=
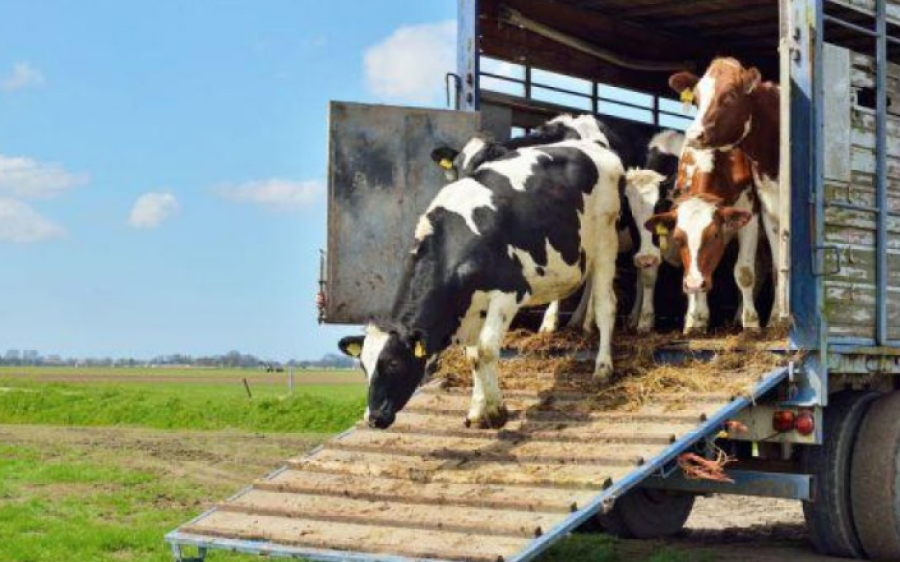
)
(548, 329)
(490, 419)
(603, 373)
(645, 327)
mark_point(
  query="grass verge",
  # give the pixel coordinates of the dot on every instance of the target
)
(325, 409)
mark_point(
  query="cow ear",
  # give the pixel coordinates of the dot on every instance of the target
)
(416, 342)
(639, 177)
(665, 221)
(351, 346)
(752, 78)
(683, 81)
(735, 219)
(443, 156)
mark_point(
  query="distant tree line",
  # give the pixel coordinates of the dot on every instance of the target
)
(232, 359)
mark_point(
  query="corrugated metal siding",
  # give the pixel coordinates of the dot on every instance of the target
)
(850, 300)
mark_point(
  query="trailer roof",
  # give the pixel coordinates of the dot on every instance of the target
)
(689, 32)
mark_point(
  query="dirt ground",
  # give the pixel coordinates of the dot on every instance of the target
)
(736, 529)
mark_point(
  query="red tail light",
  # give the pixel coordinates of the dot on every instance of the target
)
(783, 421)
(806, 423)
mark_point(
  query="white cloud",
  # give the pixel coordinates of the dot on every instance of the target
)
(276, 194)
(21, 224)
(152, 209)
(23, 76)
(25, 178)
(409, 66)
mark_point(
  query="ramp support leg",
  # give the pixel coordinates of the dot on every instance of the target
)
(179, 555)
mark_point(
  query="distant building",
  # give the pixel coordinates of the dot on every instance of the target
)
(31, 357)
(13, 356)
(54, 360)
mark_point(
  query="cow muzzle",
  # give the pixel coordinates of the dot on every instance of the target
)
(644, 261)
(380, 419)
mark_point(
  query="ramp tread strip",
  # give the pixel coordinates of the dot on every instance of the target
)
(486, 447)
(461, 472)
(550, 416)
(564, 396)
(412, 543)
(393, 514)
(660, 438)
(517, 498)
(487, 456)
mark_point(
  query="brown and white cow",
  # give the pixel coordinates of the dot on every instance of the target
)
(736, 109)
(717, 203)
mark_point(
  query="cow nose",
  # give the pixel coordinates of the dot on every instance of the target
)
(381, 420)
(646, 260)
(694, 286)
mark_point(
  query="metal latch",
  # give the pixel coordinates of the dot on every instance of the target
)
(819, 268)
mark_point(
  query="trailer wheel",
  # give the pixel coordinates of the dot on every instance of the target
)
(829, 517)
(875, 480)
(648, 514)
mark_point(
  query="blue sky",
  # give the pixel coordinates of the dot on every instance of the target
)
(162, 164)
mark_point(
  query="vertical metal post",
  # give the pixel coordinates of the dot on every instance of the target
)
(806, 201)
(881, 168)
(467, 54)
(595, 97)
(786, 49)
(291, 381)
(527, 83)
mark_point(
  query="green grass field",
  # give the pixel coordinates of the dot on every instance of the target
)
(109, 493)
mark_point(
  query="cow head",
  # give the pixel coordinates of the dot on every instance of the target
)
(644, 191)
(459, 164)
(700, 228)
(723, 100)
(395, 366)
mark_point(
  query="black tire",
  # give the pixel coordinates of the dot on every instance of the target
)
(875, 480)
(648, 514)
(829, 516)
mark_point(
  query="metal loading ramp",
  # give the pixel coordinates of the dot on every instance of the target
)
(430, 489)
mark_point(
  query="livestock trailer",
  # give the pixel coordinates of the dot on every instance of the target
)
(519, 63)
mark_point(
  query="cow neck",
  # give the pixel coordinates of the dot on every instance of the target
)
(730, 177)
(765, 126)
(422, 306)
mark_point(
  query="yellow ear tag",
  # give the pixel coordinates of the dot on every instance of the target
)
(420, 350)
(687, 98)
(663, 234)
(354, 350)
(446, 164)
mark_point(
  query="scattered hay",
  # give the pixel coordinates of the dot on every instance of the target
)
(561, 363)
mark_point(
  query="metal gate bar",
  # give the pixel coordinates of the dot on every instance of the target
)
(881, 170)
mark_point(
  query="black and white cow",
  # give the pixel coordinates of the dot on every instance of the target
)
(649, 187)
(523, 230)
(649, 190)
(628, 140)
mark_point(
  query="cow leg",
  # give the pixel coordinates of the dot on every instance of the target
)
(745, 272)
(771, 212)
(583, 317)
(604, 297)
(646, 314)
(697, 319)
(551, 319)
(487, 409)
